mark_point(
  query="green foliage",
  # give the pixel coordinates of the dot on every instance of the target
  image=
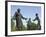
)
(24, 28)
(33, 26)
(12, 25)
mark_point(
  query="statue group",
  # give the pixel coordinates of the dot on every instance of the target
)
(18, 17)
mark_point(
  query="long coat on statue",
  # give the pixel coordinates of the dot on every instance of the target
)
(19, 18)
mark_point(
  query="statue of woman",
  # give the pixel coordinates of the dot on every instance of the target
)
(18, 16)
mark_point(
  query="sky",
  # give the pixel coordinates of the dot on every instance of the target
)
(27, 11)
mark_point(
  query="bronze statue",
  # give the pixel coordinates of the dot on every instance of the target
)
(37, 18)
(18, 16)
(29, 24)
